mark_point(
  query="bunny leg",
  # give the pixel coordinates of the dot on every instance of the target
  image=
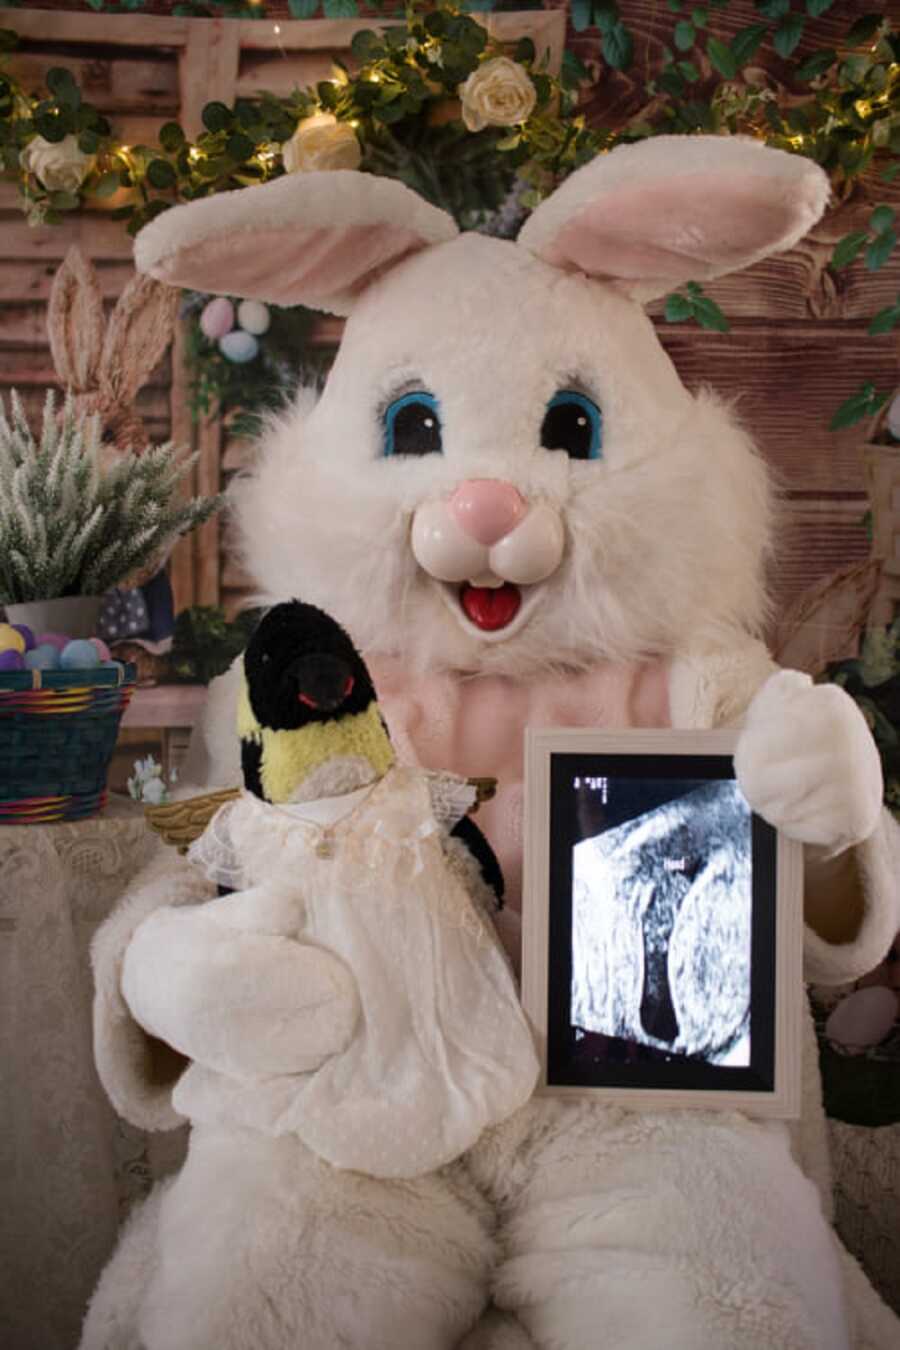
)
(264, 1247)
(684, 1231)
(498, 1331)
(111, 1321)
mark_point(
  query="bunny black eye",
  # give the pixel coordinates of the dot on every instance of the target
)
(573, 423)
(412, 425)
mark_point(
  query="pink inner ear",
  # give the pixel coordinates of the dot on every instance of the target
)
(289, 266)
(687, 228)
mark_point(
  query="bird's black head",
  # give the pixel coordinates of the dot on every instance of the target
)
(301, 667)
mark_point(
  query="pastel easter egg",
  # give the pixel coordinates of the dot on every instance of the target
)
(10, 639)
(893, 418)
(102, 649)
(217, 318)
(254, 317)
(238, 346)
(863, 1018)
(57, 640)
(79, 654)
(27, 635)
(42, 657)
(11, 660)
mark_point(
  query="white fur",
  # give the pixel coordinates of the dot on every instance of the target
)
(260, 1246)
(133, 1068)
(784, 197)
(289, 211)
(665, 536)
(643, 1231)
(807, 763)
(227, 985)
(640, 1231)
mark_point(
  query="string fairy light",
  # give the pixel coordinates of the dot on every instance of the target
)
(555, 141)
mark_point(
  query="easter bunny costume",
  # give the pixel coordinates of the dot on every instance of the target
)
(510, 500)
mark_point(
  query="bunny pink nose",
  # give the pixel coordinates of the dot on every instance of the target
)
(487, 509)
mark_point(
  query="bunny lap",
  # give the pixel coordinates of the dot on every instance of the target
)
(522, 517)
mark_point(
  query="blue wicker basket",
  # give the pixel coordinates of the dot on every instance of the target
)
(58, 730)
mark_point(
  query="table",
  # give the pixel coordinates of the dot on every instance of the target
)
(171, 708)
(68, 1167)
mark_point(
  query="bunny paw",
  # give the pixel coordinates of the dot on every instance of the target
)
(807, 763)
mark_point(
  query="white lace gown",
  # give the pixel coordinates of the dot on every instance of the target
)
(442, 1048)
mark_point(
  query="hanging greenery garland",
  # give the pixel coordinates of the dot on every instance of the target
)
(246, 358)
(438, 104)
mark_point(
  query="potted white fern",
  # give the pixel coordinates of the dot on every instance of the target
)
(77, 519)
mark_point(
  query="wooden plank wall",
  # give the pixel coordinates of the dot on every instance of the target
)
(143, 71)
(797, 348)
(798, 344)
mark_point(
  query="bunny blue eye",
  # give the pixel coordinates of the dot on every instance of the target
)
(573, 423)
(412, 425)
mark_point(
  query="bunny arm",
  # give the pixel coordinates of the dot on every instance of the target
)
(248, 1004)
(851, 900)
(137, 1070)
(140, 1058)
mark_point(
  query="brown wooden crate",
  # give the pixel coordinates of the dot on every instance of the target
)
(282, 74)
(85, 29)
(152, 404)
(799, 285)
(817, 537)
(35, 367)
(95, 235)
(181, 562)
(120, 84)
(21, 282)
(787, 381)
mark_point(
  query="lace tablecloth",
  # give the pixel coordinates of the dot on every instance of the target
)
(68, 1167)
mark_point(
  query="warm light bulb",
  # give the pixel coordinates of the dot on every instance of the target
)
(194, 154)
(276, 29)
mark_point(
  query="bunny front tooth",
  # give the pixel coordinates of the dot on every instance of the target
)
(533, 550)
(443, 548)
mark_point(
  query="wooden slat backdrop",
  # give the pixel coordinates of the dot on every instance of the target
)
(797, 347)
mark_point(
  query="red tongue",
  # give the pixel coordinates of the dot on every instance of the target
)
(490, 608)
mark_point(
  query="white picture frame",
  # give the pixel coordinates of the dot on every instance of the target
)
(743, 894)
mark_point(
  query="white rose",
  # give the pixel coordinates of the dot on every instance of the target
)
(59, 166)
(321, 142)
(154, 792)
(498, 94)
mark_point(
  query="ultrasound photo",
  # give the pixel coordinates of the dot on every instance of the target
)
(661, 918)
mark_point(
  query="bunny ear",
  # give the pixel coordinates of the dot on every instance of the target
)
(140, 329)
(655, 214)
(314, 239)
(75, 322)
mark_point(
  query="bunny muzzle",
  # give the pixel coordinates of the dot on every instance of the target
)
(485, 544)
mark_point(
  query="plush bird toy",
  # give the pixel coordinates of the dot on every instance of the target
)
(382, 1028)
(307, 716)
(309, 723)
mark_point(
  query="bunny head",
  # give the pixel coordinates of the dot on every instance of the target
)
(104, 365)
(503, 471)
